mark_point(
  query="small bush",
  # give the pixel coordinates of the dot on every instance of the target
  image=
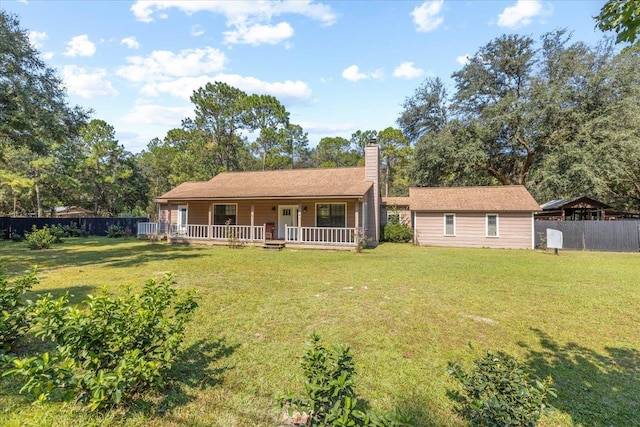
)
(58, 232)
(16, 237)
(329, 398)
(14, 309)
(398, 233)
(40, 238)
(115, 231)
(73, 230)
(109, 352)
(500, 392)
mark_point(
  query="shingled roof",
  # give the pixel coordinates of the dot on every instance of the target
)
(294, 183)
(396, 201)
(502, 198)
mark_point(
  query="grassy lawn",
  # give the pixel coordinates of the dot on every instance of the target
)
(405, 312)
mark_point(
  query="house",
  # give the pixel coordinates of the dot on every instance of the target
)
(70, 212)
(494, 217)
(314, 208)
(339, 208)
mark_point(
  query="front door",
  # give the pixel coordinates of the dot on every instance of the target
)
(182, 219)
(287, 215)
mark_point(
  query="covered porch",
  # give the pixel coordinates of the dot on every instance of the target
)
(315, 223)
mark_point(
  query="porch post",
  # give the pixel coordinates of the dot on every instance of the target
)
(252, 235)
(209, 233)
(299, 239)
(357, 221)
(169, 221)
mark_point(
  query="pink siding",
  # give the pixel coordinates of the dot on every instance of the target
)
(514, 230)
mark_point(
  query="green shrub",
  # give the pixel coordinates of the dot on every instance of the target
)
(115, 231)
(16, 237)
(14, 309)
(499, 391)
(40, 238)
(329, 398)
(109, 352)
(398, 233)
(73, 230)
(58, 232)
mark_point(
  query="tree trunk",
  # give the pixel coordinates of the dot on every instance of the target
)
(95, 199)
(38, 199)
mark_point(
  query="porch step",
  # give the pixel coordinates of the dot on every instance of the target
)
(273, 245)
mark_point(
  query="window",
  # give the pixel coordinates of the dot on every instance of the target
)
(449, 224)
(492, 225)
(224, 213)
(393, 217)
(331, 215)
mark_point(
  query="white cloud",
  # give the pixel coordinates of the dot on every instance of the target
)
(249, 19)
(47, 55)
(408, 71)
(149, 114)
(427, 16)
(520, 14)
(353, 74)
(163, 64)
(184, 86)
(80, 46)
(130, 42)
(197, 30)
(259, 34)
(238, 11)
(87, 83)
(36, 38)
(463, 59)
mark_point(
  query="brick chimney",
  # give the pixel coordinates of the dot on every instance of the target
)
(372, 174)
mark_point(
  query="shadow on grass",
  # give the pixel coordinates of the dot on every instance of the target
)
(594, 389)
(77, 294)
(198, 367)
(118, 253)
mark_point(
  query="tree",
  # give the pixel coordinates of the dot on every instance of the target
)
(268, 116)
(553, 116)
(221, 112)
(33, 104)
(427, 111)
(360, 139)
(297, 146)
(395, 152)
(105, 168)
(621, 16)
(334, 152)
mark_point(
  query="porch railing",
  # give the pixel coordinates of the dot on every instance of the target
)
(203, 232)
(311, 235)
(323, 235)
(147, 228)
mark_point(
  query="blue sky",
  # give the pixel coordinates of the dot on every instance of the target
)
(337, 66)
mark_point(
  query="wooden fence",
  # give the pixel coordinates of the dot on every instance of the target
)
(612, 236)
(93, 226)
